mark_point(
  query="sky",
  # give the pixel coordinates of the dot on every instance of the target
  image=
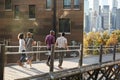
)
(104, 2)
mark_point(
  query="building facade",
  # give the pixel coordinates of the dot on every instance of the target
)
(37, 16)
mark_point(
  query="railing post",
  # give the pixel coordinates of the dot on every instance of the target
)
(81, 59)
(52, 59)
(38, 48)
(2, 60)
(101, 52)
(6, 49)
(114, 52)
(81, 55)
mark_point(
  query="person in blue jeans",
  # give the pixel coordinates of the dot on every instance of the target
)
(21, 49)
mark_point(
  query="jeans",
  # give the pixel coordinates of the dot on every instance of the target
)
(23, 57)
(49, 56)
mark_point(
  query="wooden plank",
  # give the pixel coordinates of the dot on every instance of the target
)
(73, 71)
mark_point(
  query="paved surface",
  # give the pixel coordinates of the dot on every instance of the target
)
(15, 72)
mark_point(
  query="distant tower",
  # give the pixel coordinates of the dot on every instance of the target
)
(86, 16)
(95, 15)
(114, 3)
(118, 19)
(86, 7)
(91, 19)
(106, 17)
(113, 16)
(100, 28)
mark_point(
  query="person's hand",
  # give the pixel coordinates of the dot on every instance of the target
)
(34, 43)
(67, 49)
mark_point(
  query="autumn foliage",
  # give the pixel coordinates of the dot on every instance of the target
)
(94, 39)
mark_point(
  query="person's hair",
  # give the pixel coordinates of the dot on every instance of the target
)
(51, 32)
(63, 34)
(20, 36)
(29, 34)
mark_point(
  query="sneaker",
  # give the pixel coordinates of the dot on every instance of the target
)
(19, 63)
(60, 67)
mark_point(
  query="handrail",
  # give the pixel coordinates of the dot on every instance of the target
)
(34, 46)
(41, 51)
(80, 50)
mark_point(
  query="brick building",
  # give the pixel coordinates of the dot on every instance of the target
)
(37, 16)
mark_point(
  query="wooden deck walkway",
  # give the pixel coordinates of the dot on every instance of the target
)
(13, 72)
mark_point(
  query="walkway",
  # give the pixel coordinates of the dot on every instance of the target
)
(15, 72)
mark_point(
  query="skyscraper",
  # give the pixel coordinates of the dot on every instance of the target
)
(86, 7)
(118, 19)
(114, 3)
(86, 16)
(95, 15)
(106, 17)
(113, 16)
(96, 6)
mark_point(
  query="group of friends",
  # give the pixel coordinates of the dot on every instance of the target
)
(25, 45)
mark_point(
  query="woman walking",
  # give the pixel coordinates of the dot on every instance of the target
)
(29, 43)
(21, 49)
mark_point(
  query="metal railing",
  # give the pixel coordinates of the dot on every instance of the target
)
(81, 69)
(80, 50)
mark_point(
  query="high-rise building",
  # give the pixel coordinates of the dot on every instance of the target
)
(99, 29)
(86, 16)
(96, 6)
(86, 23)
(113, 16)
(91, 19)
(95, 15)
(86, 7)
(118, 19)
(106, 17)
(115, 3)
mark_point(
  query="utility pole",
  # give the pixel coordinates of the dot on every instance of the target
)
(54, 16)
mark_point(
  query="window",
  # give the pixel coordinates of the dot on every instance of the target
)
(64, 25)
(48, 4)
(76, 4)
(16, 12)
(30, 30)
(31, 11)
(67, 4)
(8, 4)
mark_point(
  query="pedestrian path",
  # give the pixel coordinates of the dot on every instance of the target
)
(13, 72)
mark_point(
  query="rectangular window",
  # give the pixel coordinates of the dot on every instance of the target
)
(48, 4)
(31, 11)
(76, 4)
(16, 12)
(8, 4)
(64, 25)
(67, 4)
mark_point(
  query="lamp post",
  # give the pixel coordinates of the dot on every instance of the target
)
(54, 16)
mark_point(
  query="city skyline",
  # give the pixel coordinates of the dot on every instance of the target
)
(103, 2)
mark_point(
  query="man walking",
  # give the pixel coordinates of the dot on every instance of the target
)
(61, 42)
(49, 40)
